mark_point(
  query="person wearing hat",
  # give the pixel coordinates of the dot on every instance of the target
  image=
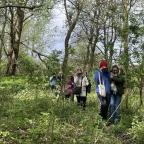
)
(102, 79)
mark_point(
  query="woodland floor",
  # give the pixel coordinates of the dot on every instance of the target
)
(31, 114)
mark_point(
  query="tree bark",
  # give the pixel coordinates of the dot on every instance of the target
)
(16, 26)
(125, 40)
(92, 54)
(87, 57)
(3, 34)
(141, 91)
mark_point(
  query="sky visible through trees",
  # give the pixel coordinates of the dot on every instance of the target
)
(58, 29)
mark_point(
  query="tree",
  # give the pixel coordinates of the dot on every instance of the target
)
(73, 10)
(17, 15)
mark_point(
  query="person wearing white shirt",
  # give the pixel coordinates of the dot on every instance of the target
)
(83, 95)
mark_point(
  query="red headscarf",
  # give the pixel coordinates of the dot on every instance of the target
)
(103, 64)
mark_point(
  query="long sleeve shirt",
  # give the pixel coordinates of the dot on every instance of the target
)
(85, 83)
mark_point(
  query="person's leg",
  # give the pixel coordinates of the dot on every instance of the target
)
(106, 107)
(107, 99)
(72, 97)
(52, 88)
(112, 108)
(117, 108)
(78, 99)
(81, 100)
(67, 96)
(84, 102)
(102, 112)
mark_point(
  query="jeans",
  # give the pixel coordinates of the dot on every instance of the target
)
(115, 108)
(104, 106)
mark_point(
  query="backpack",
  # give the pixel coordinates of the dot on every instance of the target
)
(77, 89)
(88, 87)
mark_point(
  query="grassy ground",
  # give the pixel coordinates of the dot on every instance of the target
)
(31, 114)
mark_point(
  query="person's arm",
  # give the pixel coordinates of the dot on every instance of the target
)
(96, 77)
(118, 79)
(75, 79)
(85, 81)
(50, 79)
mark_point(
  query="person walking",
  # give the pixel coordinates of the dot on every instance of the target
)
(117, 90)
(83, 95)
(69, 87)
(78, 85)
(102, 79)
(53, 82)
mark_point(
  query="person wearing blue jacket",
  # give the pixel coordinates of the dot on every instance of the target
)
(102, 76)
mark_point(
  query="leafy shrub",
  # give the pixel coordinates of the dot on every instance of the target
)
(137, 130)
(27, 65)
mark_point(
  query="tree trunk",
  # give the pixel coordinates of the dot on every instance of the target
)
(111, 49)
(15, 35)
(3, 34)
(89, 50)
(68, 36)
(125, 39)
(10, 51)
(87, 58)
(92, 55)
(105, 43)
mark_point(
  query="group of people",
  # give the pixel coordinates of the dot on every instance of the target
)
(78, 85)
(109, 89)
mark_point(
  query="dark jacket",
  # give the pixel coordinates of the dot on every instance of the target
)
(119, 83)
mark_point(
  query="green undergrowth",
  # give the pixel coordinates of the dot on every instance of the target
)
(32, 114)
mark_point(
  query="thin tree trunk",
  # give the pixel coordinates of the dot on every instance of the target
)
(141, 91)
(125, 43)
(105, 43)
(111, 54)
(87, 57)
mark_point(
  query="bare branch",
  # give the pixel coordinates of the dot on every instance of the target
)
(24, 7)
(100, 50)
(67, 15)
(39, 54)
(27, 17)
